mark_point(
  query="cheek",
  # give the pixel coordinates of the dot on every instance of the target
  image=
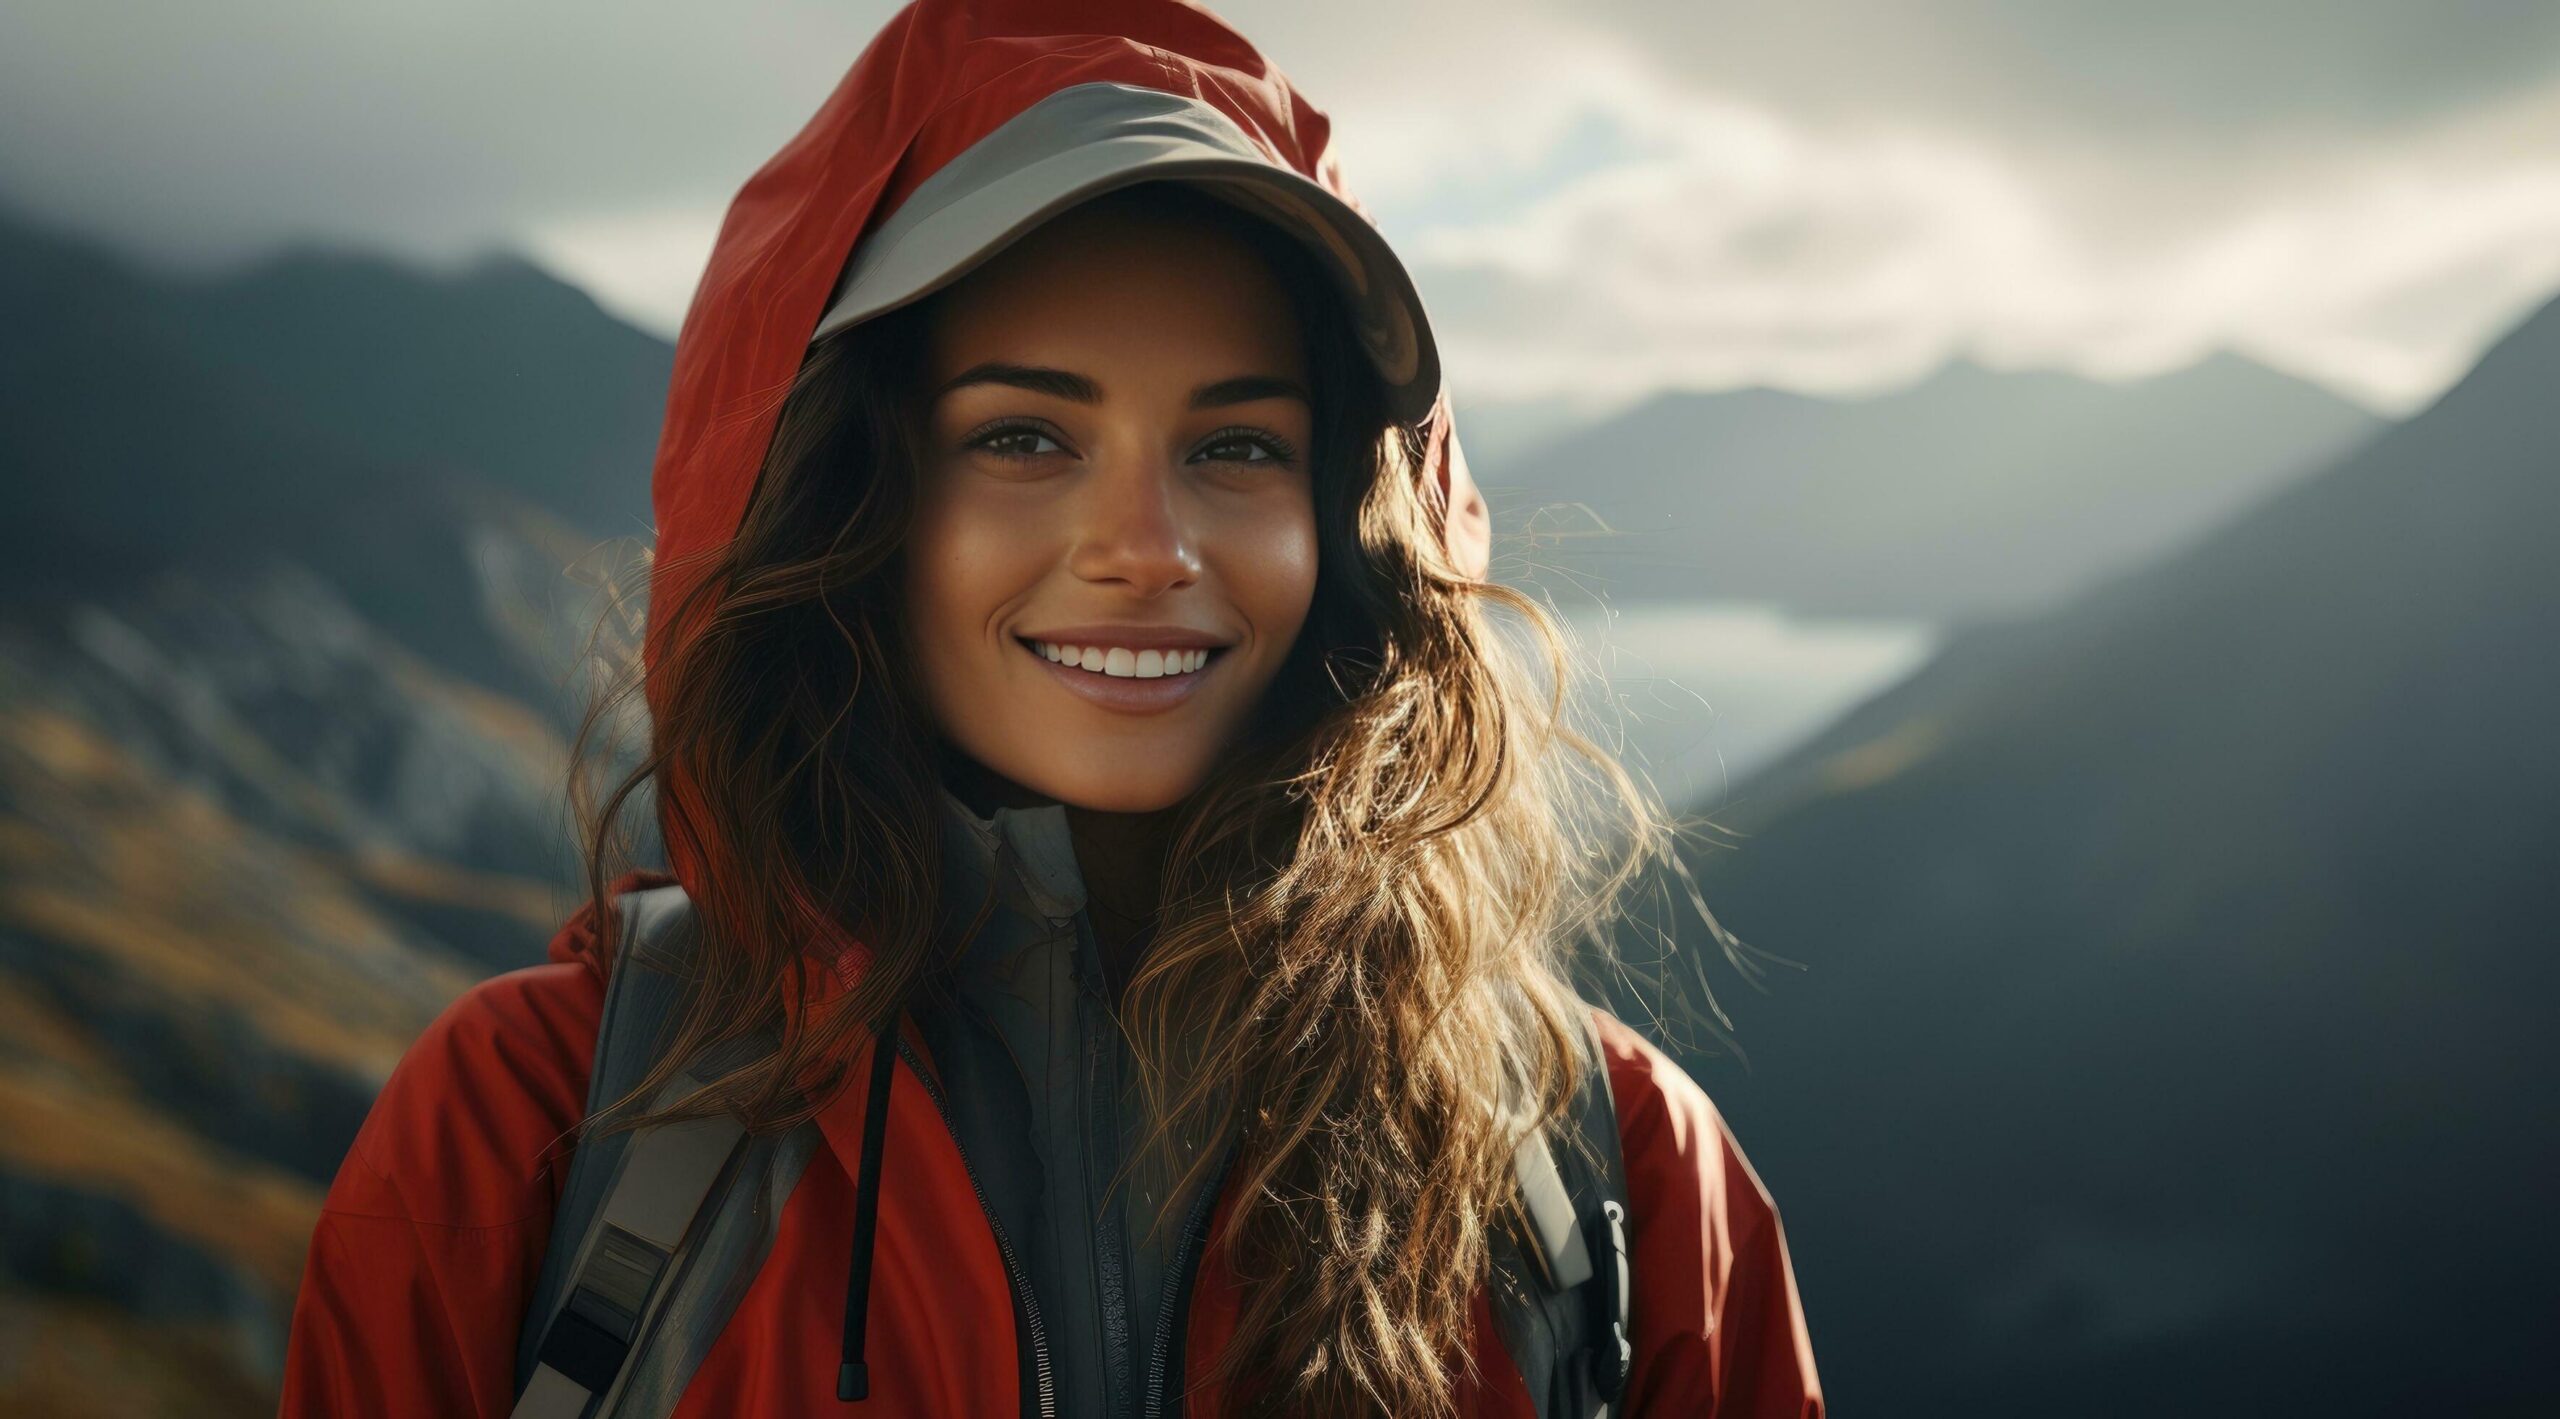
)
(962, 566)
(1271, 569)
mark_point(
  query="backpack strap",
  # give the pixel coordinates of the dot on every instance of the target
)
(659, 1230)
(1561, 1293)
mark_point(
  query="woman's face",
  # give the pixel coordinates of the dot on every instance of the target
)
(1115, 545)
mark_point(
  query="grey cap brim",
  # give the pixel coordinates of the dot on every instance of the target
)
(1091, 138)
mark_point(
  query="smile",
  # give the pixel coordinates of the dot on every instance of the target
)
(1122, 663)
(1126, 679)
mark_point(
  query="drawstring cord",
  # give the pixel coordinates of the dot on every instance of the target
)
(853, 1376)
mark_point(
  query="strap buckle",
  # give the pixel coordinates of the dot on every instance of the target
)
(1614, 1355)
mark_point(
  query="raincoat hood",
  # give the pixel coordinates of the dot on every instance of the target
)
(938, 79)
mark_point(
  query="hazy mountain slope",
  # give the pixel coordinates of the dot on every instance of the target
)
(248, 847)
(502, 371)
(152, 421)
(1974, 492)
(199, 1009)
(126, 449)
(283, 720)
(2175, 1038)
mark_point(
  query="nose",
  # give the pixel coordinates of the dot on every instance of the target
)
(1134, 529)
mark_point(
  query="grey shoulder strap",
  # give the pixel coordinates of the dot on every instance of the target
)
(659, 1230)
(1561, 1295)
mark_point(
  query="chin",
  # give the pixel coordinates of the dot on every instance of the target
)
(1122, 797)
(1106, 791)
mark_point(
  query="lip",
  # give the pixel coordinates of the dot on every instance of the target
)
(1127, 694)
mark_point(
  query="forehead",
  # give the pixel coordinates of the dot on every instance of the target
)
(1101, 288)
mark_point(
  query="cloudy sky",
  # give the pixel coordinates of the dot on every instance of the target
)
(1598, 199)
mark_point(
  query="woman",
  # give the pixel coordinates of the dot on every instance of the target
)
(1111, 834)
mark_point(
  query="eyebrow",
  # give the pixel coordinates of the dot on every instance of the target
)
(1067, 384)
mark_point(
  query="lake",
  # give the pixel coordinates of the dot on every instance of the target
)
(1699, 694)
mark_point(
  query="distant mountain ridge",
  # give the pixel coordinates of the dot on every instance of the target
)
(2172, 1038)
(1972, 493)
(358, 417)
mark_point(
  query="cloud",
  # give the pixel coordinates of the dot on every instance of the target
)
(1598, 200)
(2293, 74)
(199, 133)
(1739, 245)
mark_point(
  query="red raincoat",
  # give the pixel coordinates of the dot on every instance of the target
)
(427, 1249)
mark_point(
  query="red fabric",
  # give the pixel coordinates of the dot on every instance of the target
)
(432, 1235)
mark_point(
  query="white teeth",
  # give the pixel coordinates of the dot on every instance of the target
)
(1123, 663)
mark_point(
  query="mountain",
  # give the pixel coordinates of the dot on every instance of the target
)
(2174, 1030)
(1498, 431)
(2170, 1020)
(1973, 493)
(371, 423)
(288, 627)
(502, 370)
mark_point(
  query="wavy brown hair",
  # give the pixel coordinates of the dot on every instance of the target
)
(1362, 970)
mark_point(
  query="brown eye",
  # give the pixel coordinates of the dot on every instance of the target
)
(1277, 450)
(1015, 442)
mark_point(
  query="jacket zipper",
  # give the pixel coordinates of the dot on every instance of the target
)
(1111, 1250)
(1104, 1096)
(1177, 1279)
(1048, 1388)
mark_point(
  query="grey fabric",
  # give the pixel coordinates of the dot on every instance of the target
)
(1039, 1080)
(1565, 1257)
(696, 1192)
(1087, 139)
(735, 1238)
(638, 1003)
(1552, 1291)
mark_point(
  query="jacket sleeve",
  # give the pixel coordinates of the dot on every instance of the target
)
(432, 1235)
(1719, 1327)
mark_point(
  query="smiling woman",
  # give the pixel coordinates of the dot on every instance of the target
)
(1116, 952)
(1088, 492)
(1151, 540)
